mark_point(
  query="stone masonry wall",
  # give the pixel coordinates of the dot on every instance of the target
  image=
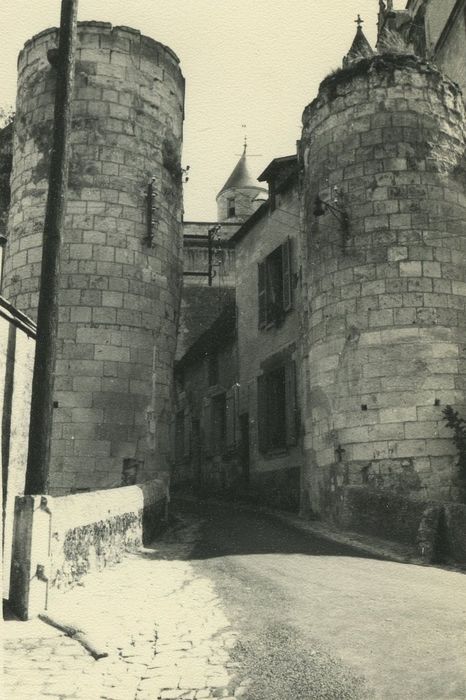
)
(119, 294)
(6, 156)
(92, 531)
(450, 55)
(245, 202)
(384, 303)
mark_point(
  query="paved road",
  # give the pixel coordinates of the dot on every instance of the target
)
(230, 604)
(319, 620)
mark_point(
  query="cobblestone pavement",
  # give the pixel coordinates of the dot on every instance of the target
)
(161, 622)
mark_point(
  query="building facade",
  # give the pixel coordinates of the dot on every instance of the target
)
(349, 283)
(268, 301)
(431, 29)
(207, 441)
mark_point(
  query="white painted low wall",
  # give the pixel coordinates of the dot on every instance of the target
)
(58, 540)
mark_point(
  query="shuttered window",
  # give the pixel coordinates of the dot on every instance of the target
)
(277, 412)
(275, 288)
(286, 275)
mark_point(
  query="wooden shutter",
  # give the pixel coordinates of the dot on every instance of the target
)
(291, 408)
(287, 275)
(262, 426)
(262, 293)
(207, 425)
(230, 407)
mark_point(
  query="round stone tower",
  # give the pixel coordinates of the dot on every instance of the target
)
(121, 274)
(384, 261)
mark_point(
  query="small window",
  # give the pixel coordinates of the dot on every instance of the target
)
(130, 471)
(275, 286)
(231, 206)
(277, 408)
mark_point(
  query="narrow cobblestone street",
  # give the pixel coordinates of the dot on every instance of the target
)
(235, 604)
(161, 623)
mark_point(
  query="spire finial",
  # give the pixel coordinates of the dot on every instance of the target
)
(359, 21)
(245, 145)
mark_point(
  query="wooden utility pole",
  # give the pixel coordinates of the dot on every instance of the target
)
(40, 429)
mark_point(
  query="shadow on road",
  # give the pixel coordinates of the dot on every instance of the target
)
(227, 530)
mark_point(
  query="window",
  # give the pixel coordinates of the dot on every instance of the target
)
(220, 422)
(231, 206)
(277, 408)
(130, 471)
(275, 286)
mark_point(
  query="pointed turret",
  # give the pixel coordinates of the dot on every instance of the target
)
(239, 196)
(360, 48)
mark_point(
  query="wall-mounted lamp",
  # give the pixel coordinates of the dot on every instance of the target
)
(321, 208)
(340, 213)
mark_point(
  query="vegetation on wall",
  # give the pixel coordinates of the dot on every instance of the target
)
(7, 115)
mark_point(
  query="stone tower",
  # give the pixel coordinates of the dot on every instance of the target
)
(384, 276)
(241, 194)
(120, 274)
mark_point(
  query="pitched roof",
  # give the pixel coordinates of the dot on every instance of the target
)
(241, 176)
(360, 48)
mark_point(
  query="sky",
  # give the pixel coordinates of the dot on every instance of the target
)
(246, 62)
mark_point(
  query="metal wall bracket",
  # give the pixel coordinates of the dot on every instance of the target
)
(152, 210)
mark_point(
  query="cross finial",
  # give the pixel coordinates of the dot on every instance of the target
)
(359, 21)
(243, 126)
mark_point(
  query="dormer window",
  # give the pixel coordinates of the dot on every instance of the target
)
(231, 207)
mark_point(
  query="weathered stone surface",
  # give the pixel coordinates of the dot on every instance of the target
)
(385, 329)
(6, 156)
(119, 294)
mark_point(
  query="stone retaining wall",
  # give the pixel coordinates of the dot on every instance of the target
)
(437, 530)
(59, 540)
(92, 530)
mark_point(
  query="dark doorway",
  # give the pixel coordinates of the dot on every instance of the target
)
(244, 446)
